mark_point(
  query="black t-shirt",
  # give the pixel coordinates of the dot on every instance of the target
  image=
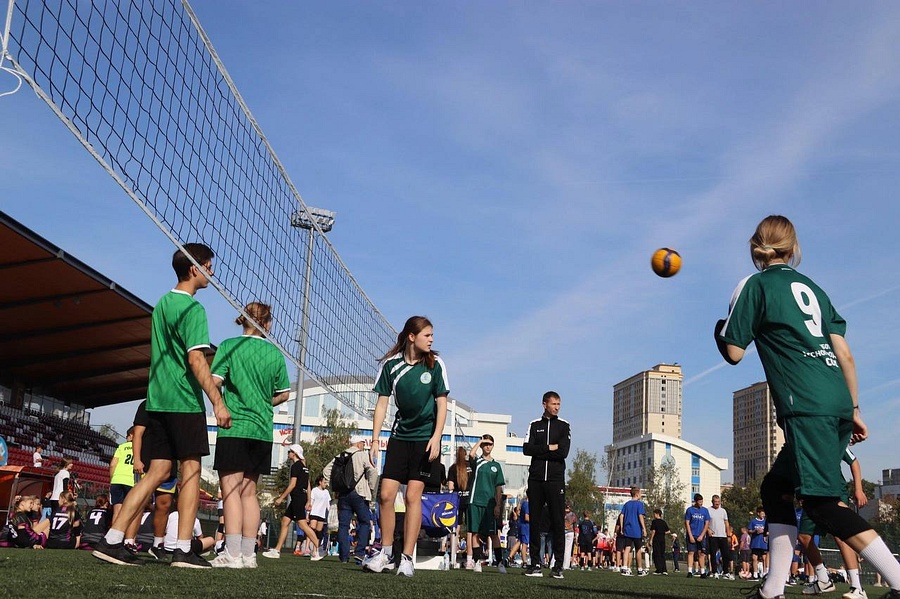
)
(463, 493)
(96, 525)
(659, 525)
(585, 531)
(301, 473)
(437, 477)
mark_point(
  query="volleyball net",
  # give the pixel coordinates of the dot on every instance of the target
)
(140, 85)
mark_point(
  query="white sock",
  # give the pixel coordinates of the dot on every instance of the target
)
(157, 541)
(248, 546)
(233, 545)
(878, 554)
(853, 575)
(183, 545)
(388, 551)
(782, 539)
(129, 542)
(114, 537)
(821, 572)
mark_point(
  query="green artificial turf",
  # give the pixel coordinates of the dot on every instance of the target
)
(72, 574)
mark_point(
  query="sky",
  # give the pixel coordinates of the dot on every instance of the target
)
(508, 168)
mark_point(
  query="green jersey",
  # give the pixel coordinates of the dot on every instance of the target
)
(487, 475)
(178, 325)
(791, 320)
(124, 472)
(252, 371)
(415, 388)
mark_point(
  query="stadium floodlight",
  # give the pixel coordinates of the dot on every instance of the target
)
(303, 219)
(306, 219)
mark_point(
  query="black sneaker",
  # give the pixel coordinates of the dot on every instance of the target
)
(892, 594)
(188, 559)
(557, 573)
(115, 554)
(533, 571)
(157, 552)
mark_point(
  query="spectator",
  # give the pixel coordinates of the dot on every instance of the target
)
(547, 443)
(696, 524)
(200, 544)
(634, 529)
(512, 535)
(570, 522)
(659, 531)
(318, 514)
(719, 539)
(676, 551)
(458, 482)
(299, 491)
(97, 522)
(744, 550)
(62, 482)
(586, 540)
(759, 545)
(355, 501)
(37, 458)
(65, 524)
(485, 504)
(25, 530)
(121, 472)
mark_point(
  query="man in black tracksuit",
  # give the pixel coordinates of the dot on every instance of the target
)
(547, 442)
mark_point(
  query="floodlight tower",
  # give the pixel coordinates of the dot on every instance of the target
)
(307, 220)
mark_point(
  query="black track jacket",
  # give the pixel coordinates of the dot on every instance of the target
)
(547, 465)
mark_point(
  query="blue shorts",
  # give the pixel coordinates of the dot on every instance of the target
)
(524, 534)
(701, 546)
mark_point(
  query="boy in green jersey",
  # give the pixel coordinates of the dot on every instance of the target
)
(812, 377)
(176, 432)
(485, 504)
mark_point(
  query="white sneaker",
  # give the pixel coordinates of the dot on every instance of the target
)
(226, 560)
(377, 563)
(470, 564)
(728, 576)
(406, 568)
(627, 572)
(818, 587)
(855, 593)
(477, 567)
(250, 562)
(643, 572)
(316, 556)
(272, 553)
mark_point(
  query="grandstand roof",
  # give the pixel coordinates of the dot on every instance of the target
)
(69, 332)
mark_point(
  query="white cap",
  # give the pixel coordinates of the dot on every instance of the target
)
(297, 449)
(354, 439)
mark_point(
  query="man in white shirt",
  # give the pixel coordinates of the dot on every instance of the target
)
(719, 539)
(37, 458)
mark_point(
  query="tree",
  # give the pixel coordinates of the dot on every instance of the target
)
(581, 489)
(109, 431)
(666, 491)
(741, 503)
(331, 439)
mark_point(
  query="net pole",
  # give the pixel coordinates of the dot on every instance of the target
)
(302, 337)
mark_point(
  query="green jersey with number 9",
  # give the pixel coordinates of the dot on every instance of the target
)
(791, 320)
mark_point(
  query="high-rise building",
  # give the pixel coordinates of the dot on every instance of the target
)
(648, 402)
(757, 437)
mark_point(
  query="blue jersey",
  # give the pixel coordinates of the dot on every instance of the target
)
(757, 534)
(631, 521)
(696, 517)
(524, 524)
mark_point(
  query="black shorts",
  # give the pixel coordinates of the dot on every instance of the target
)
(406, 460)
(620, 543)
(585, 547)
(296, 510)
(117, 493)
(174, 436)
(759, 552)
(634, 542)
(236, 454)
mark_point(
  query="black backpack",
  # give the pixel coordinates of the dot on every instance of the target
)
(342, 479)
